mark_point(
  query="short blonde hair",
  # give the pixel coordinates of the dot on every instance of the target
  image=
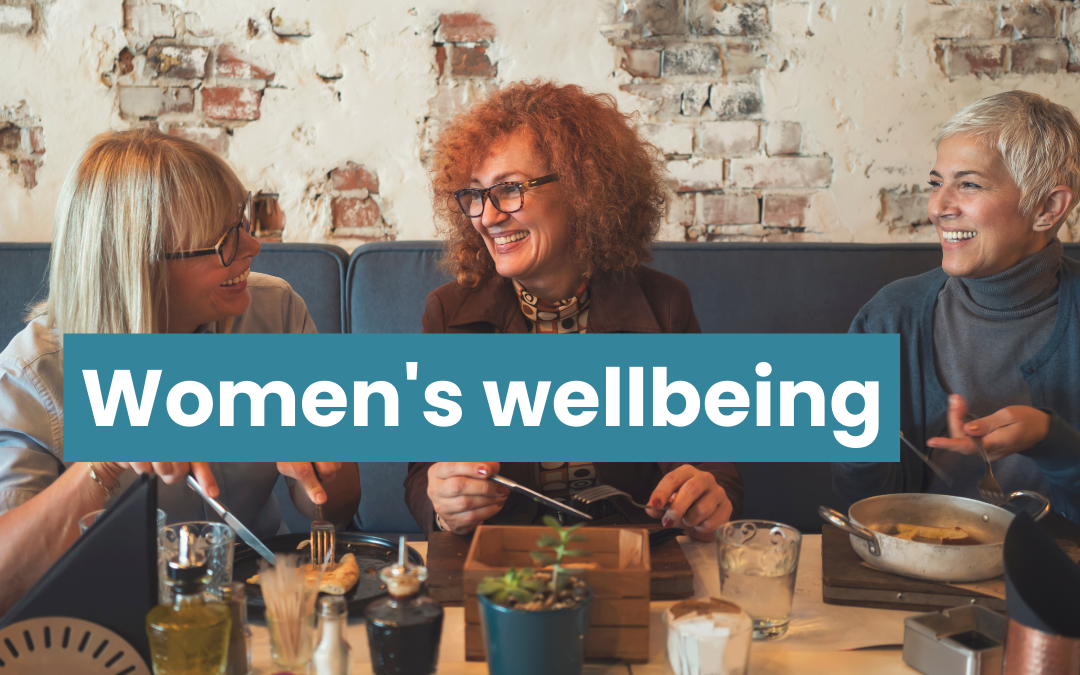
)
(1038, 140)
(132, 197)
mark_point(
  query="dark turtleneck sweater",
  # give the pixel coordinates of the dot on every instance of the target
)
(984, 329)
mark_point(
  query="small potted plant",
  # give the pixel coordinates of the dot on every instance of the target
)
(534, 621)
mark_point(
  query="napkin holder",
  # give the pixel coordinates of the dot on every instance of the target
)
(109, 575)
(966, 640)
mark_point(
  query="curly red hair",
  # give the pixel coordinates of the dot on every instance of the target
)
(611, 179)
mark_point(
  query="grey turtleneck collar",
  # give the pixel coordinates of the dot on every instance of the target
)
(1026, 288)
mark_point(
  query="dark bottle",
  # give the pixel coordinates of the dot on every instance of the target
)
(404, 629)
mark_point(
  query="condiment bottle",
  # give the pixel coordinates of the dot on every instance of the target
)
(190, 635)
(404, 629)
(239, 660)
(333, 656)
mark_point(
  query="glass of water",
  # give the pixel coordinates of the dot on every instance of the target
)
(758, 561)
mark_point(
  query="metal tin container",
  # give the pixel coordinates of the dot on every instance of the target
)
(968, 640)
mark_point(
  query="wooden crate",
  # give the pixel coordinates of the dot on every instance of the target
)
(619, 618)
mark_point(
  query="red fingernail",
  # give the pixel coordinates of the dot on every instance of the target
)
(667, 522)
(483, 471)
(655, 503)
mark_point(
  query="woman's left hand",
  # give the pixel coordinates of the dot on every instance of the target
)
(304, 473)
(1013, 429)
(700, 505)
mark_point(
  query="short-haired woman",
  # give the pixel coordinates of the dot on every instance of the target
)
(995, 332)
(151, 235)
(548, 199)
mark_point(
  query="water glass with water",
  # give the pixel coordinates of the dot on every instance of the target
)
(758, 562)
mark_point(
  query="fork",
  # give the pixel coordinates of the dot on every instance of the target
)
(600, 492)
(323, 537)
(989, 488)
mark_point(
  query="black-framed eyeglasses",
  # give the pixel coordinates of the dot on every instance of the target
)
(227, 246)
(506, 197)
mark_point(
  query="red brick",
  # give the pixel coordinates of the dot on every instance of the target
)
(180, 61)
(1030, 21)
(29, 171)
(37, 140)
(986, 60)
(352, 212)
(785, 210)
(641, 62)
(464, 28)
(231, 103)
(10, 139)
(352, 176)
(269, 218)
(440, 58)
(214, 138)
(471, 62)
(730, 209)
(125, 61)
(231, 63)
(1038, 56)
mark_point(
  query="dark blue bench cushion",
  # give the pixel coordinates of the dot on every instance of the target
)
(316, 272)
(24, 280)
(387, 285)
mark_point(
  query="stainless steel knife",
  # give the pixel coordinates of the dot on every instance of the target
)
(230, 520)
(539, 498)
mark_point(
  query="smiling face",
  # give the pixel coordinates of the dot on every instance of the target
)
(975, 206)
(531, 245)
(200, 290)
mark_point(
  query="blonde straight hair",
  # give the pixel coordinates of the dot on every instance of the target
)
(1038, 140)
(132, 197)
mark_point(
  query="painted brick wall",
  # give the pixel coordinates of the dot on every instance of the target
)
(779, 120)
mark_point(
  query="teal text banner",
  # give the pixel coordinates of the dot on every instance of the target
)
(747, 398)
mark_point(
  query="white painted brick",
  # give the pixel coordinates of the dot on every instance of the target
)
(153, 101)
(736, 99)
(727, 139)
(672, 139)
(738, 209)
(783, 138)
(150, 20)
(781, 172)
(680, 209)
(18, 20)
(973, 21)
(691, 175)
(694, 98)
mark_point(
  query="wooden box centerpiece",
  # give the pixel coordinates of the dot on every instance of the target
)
(619, 620)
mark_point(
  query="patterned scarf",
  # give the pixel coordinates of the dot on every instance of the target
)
(565, 316)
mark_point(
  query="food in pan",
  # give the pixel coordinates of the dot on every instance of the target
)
(928, 534)
(335, 582)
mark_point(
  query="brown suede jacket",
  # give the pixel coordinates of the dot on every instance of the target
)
(639, 301)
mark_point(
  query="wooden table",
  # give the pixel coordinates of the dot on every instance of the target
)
(821, 640)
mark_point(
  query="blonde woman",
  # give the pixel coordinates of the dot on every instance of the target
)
(151, 235)
(994, 332)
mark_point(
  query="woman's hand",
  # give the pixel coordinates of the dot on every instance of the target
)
(463, 495)
(170, 472)
(700, 504)
(1013, 429)
(305, 476)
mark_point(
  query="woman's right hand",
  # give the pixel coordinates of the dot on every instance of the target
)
(463, 494)
(170, 472)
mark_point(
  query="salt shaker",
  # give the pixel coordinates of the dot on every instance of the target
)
(333, 655)
(239, 660)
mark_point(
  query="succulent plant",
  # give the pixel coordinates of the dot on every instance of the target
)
(522, 585)
(559, 547)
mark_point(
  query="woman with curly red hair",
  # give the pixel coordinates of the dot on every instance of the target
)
(548, 199)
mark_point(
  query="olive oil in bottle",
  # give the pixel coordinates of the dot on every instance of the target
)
(404, 629)
(190, 635)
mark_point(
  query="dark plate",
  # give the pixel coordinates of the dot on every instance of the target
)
(371, 553)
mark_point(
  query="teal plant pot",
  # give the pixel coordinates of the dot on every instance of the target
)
(534, 643)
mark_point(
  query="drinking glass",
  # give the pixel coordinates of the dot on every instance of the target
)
(89, 519)
(291, 640)
(707, 637)
(758, 561)
(214, 540)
